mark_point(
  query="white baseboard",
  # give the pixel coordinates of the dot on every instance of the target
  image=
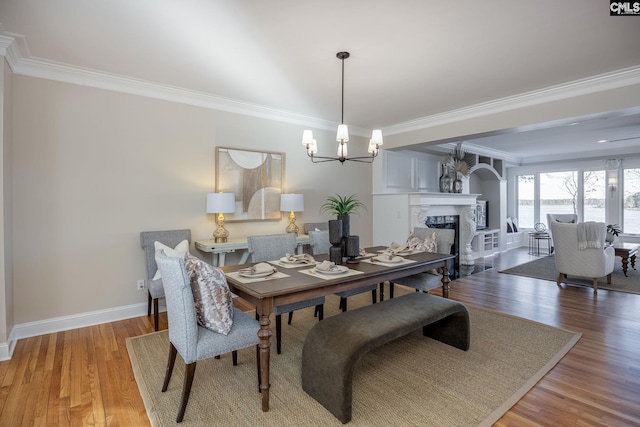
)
(65, 323)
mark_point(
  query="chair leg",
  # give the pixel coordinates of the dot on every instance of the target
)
(381, 291)
(320, 309)
(149, 304)
(561, 277)
(279, 333)
(374, 296)
(595, 285)
(155, 313)
(258, 365)
(190, 369)
(234, 356)
(170, 363)
(609, 278)
(290, 318)
(391, 289)
(343, 304)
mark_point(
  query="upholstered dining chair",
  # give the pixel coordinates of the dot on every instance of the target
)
(319, 243)
(274, 246)
(169, 238)
(192, 341)
(572, 261)
(429, 280)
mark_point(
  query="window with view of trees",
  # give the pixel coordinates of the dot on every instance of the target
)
(526, 201)
(631, 202)
(558, 193)
(594, 195)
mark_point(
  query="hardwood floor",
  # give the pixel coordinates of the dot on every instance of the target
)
(83, 376)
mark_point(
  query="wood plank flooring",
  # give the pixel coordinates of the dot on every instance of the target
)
(84, 377)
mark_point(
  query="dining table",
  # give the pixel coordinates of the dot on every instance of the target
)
(302, 282)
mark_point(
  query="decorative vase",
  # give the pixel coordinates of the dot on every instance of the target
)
(336, 239)
(457, 183)
(445, 180)
(346, 224)
(610, 238)
(353, 249)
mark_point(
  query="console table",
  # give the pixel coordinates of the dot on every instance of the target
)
(219, 251)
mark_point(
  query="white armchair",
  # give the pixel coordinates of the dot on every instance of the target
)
(591, 262)
(566, 218)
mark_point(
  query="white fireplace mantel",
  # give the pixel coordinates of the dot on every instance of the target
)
(395, 215)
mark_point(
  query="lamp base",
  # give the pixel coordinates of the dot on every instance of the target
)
(220, 239)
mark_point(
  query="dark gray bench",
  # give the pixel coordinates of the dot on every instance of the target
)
(334, 346)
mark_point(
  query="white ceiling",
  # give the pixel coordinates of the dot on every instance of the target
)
(410, 59)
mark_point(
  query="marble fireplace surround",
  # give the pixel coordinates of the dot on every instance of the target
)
(424, 205)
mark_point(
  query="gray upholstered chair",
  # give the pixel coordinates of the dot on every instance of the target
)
(169, 238)
(427, 281)
(275, 246)
(191, 340)
(572, 261)
(319, 243)
(566, 218)
(311, 226)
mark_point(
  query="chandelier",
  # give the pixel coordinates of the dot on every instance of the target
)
(342, 136)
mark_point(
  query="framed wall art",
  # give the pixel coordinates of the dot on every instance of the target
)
(255, 177)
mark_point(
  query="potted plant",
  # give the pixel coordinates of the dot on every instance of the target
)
(342, 207)
(613, 231)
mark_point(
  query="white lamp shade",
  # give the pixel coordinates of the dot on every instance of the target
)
(343, 133)
(292, 202)
(307, 137)
(376, 137)
(221, 202)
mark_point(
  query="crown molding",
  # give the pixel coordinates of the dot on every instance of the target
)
(613, 80)
(14, 47)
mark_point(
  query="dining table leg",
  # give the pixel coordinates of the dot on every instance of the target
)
(264, 333)
(445, 280)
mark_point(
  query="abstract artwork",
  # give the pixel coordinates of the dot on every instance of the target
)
(255, 177)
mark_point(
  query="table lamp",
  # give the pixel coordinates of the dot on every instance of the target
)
(292, 203)
(221, 203)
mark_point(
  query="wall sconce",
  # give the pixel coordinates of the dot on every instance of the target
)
(292, 203)
(221, 203)
(613, 167)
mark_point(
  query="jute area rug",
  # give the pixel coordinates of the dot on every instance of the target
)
(413, 381)
(545, 268)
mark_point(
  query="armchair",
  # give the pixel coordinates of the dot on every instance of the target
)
(566, 218)
(592, 262)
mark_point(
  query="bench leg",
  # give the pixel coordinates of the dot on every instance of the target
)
(453, 330)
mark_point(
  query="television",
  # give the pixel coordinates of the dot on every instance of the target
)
(482, 214)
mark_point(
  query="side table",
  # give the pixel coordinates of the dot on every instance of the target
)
(534, 242)
(628, 252)
(219, 251)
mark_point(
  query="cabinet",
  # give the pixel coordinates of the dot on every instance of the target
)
(485, 243)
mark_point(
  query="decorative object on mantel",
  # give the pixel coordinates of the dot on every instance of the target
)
(342, 136)
(445, 180)
(292, 203)
(613, 231)
(221, 203)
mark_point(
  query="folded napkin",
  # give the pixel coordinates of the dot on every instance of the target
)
(327, 266)
(302, 259)
(260, 268)
(396, 247)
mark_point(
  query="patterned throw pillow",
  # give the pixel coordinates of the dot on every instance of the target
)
(211, 294)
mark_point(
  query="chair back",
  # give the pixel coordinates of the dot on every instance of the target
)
(271, 246)
(445, 237)
(319, 242)
(168, 237)
(310, 226)
(181, 312)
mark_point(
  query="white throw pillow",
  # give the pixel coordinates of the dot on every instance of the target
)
(211, 295)
(178, 252)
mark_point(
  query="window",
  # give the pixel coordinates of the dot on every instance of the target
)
(631, 202)
(558, 193)
(594, 194)
(526, 201)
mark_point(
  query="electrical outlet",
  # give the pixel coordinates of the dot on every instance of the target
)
(140, 284)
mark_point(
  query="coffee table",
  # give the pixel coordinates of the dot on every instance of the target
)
(627, 251)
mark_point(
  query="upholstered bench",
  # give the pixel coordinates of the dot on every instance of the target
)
(334, 346)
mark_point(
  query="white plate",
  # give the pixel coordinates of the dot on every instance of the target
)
(284, 260)
(340, 269)
(394, 260)
(397, 253)
(256, 276)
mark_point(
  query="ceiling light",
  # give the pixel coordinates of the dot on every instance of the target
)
(602, 141)
(342, 136)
